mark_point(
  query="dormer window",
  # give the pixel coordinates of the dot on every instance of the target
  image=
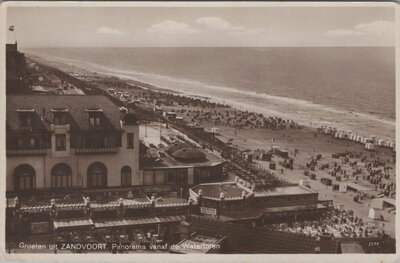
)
(94, 121)
(95, 117)
(60, 116)
(26, 121)
(25, 117)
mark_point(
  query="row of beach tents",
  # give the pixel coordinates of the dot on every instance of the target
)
(369, 142)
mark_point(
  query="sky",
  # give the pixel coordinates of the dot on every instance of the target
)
(201, 26)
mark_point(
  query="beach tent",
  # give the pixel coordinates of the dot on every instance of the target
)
(340, 206)
(369, 146)
(374, 214)
(342, 188)
(356, 187)
(383, 202)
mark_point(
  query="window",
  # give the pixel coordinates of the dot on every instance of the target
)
(61, 144)
(60, 119)
(130, 137)
(94, 120)
(171, 176)
(25, 120)
(61, 176)
(159, 177)
(97, 175)
(126, 176)
(182, 175)
(24, 178)
(148, 177)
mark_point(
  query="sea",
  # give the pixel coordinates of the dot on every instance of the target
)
(351, 88)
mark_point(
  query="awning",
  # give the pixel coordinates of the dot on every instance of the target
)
(292, 208)
(113, 223)
(143, 221)
(171, 219)
(72, 223)
(139, 221)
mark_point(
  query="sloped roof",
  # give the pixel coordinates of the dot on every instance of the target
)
(248, 239)
(75, 104)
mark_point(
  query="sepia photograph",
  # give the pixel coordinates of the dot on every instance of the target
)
(199, 128)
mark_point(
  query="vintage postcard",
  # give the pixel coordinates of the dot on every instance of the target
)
(180, 131)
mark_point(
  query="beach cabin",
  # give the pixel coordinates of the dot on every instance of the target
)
(284, 154)
(370, 146)
(275, 149)
(266, 157)
(342, 188)
(367, 140)
(170, 115)
(248, 156)
(158, 109)
(272, 165)
(381, 143)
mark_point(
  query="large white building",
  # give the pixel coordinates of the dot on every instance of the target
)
(57, 142)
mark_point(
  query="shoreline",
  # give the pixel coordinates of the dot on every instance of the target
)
(305, 113)
(301, 144)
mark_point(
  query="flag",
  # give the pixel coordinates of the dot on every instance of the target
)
(11, 28)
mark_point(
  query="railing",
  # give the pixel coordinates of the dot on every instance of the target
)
(25, 128)
(22, 152)
(98, 150)
(59, 126)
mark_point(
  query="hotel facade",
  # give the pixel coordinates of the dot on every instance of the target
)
(57, 142)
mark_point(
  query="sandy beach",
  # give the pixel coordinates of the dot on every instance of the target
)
(305, 141)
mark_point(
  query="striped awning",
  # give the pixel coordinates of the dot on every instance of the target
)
(171, 219)
(110, 223)
(139, 221)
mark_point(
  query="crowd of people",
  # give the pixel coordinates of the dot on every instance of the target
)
(239, 119)
(339, 223)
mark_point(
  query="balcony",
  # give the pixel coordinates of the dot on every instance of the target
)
(25, 152)
(96, 150)
(54, 127)
(25, 128)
